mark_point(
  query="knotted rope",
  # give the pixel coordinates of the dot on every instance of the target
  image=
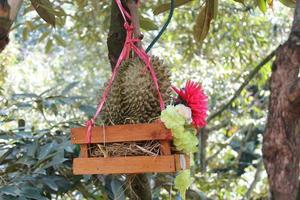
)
(130, 44)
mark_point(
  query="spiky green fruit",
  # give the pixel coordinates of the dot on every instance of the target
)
(133, 97)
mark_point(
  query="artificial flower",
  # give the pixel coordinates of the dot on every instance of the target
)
(184, 111)
(171, 118)
(183, 181)
(193, 97)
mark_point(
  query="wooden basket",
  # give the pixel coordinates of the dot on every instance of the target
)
(166, 162)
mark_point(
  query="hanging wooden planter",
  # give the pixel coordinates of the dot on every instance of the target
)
(165, 162)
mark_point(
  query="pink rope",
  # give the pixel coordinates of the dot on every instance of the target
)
(128, 45)
(123, 10)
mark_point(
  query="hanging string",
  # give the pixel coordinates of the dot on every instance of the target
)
(130, 44)
(172, 6)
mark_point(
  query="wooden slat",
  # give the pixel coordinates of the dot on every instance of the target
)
(122, 133)
(84, 151)
(165, 147)
(178, 165)
(124, 165)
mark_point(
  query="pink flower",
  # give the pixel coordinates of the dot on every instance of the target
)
(193, 96)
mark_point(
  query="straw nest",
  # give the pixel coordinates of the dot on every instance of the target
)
(149, 148)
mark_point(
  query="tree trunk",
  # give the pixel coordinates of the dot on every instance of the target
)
(8, 12)
(117, 34)
(4, 24)
(281, 145)
(140, 186)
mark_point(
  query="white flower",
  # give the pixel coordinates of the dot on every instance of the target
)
(185, 111)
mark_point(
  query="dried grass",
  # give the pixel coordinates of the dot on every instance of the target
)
(148, 148)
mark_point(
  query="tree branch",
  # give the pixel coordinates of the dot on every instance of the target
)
(223, 124)
(133, 8)
(222, 146)
(202, 137)
(202, 148)
(244, 142)
(117, 34)
(244, 84)
(14, 8)
(255, 180)
(135, 20)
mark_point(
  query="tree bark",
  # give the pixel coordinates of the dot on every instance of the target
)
(117, 34)
(140, 186)
(281, 143)
(8, 12)
(4, 24)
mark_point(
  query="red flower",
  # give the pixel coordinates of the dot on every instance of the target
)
(194, 97)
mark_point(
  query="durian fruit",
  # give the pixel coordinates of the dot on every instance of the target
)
(111, 112)
(133, 98)
(140, 102)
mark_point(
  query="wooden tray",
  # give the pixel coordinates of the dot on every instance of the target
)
(166, 162)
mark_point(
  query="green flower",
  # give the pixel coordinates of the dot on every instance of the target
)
(171, 118)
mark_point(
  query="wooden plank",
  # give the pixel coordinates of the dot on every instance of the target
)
(84, 151)
(124, 165)
(178, 163)
(165, 147)
(122, 133)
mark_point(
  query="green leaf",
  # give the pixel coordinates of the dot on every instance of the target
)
(165, 7)
(289, 3)
(50, 183)
(25, 33)
(69, 88)
(240, 1)
(42, 7)
(59, 40)
(202, 25)
(46, 150)
(89, 110)
(28, 9)
(40, 105)
(32, 193)
(31, 149)
(147, 24)
(59, 12)
(262, 4)
(204, 18)
(43, 36)
(48, 90)
(81, 3)
(54, 109)
(48, 46)
(57, 159)
(10, 190)
(24, 95)
(214, 8)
